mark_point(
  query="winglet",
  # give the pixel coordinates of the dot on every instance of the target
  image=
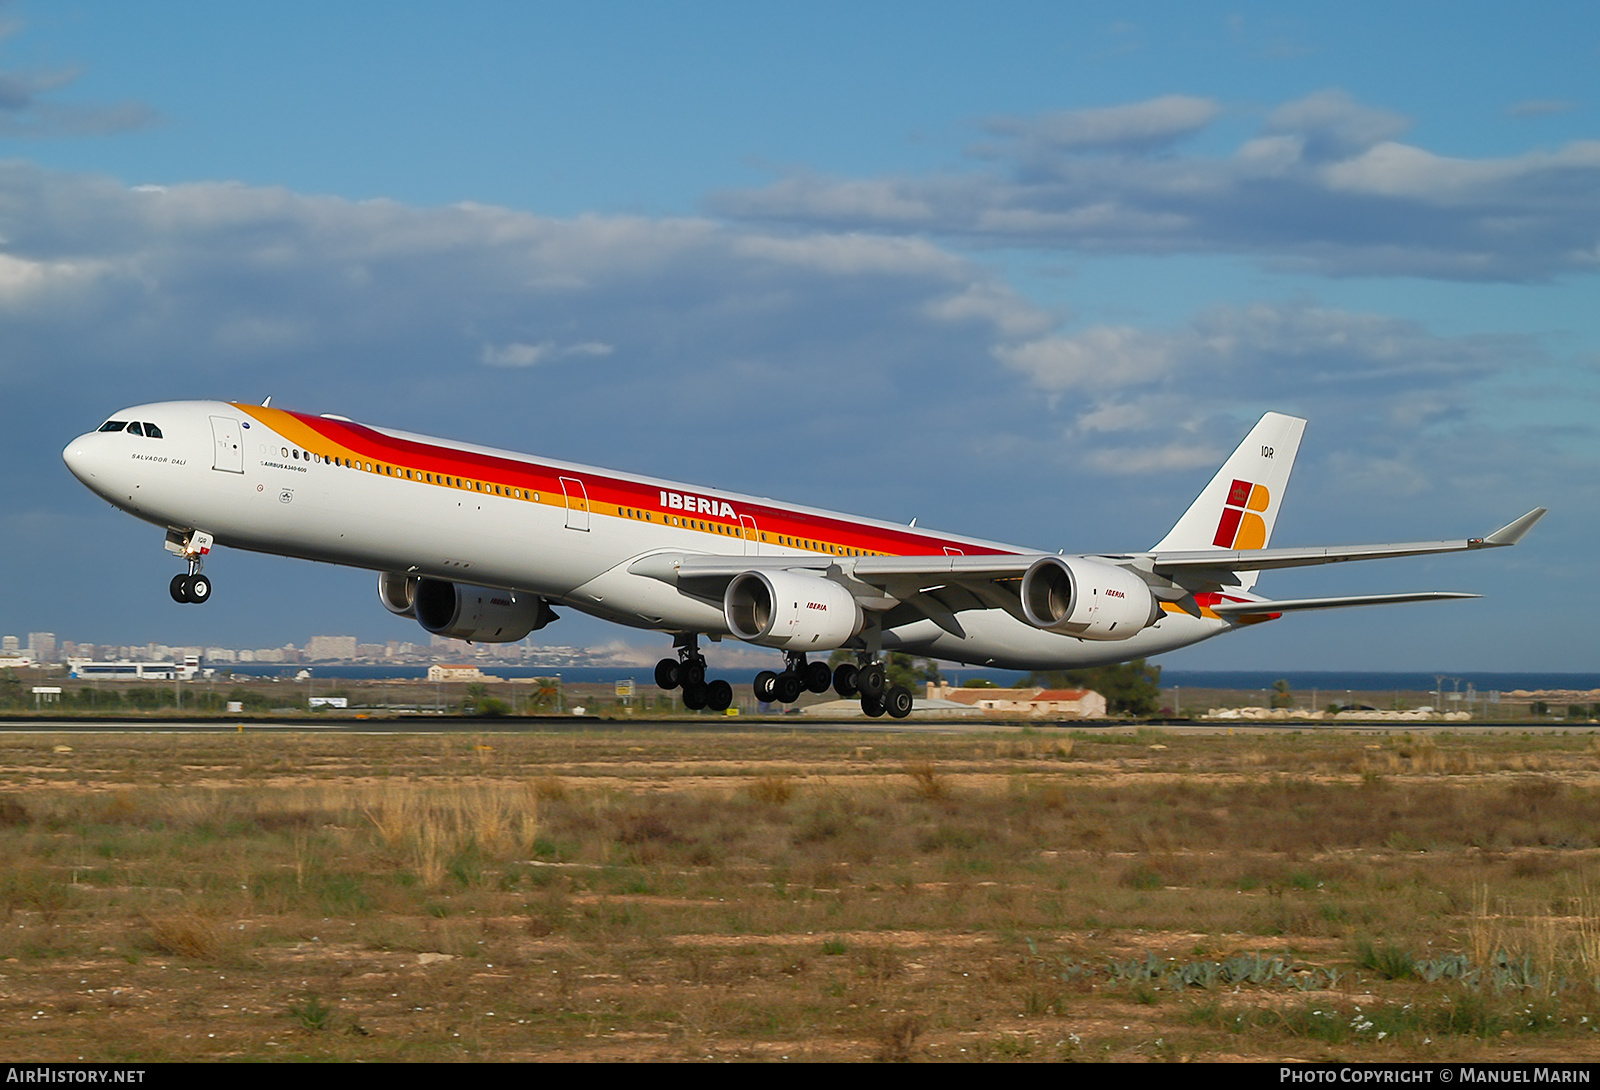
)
(1512, 532)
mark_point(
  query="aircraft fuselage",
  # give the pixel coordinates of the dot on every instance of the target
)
(328, 489)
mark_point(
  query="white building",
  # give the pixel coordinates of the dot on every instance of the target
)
(124, 670)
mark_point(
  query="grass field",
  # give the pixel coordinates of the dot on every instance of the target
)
(767, 895)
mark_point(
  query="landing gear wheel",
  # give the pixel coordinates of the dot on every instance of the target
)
(766, 686)
(817, 677)
(719, 694)
(198, 588)
(844, 681)
(692, 673)
(179, 588)
(872, 707)
(667, 674)
(898, 702)
(694, 695)
(789, 687)
(872, 680)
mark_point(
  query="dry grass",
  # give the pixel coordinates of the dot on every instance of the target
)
(665, 895)
(436, 827)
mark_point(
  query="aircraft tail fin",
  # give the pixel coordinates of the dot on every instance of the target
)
(1238, 508)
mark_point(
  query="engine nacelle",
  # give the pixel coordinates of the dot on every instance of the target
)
(1087, 599)
(791, 610)
(478, 614)
(398, 593)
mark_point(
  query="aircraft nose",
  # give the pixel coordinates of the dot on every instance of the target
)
(79, 458)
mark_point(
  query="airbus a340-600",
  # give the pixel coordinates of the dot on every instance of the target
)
(479, 544)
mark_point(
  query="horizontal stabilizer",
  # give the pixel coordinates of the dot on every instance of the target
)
(1290, 605)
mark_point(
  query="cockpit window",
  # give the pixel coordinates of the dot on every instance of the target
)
(134, 429)
(151, 431)
(113, 425)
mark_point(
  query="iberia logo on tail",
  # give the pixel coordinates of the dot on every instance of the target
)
(1241, 525)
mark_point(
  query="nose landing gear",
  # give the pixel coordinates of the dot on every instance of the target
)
(193, 587)
(192, 546)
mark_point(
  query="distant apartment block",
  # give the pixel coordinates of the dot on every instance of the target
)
(331, 647)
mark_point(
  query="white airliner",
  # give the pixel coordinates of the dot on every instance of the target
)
(478, 544)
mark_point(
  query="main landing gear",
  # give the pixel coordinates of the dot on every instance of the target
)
(191, 546)
(688, 671)
(798, 677)
(869, 681)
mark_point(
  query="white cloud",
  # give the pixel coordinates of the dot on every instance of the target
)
(1147, 402)
(1540, 107)
(518, 354)
(1330, 124)
(1168, 458)
(25, 111)
(1102, 358)
(831, 344)
(1278, 344)
(1326, 185)
(1136, 127)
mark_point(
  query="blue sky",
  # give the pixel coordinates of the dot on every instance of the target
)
(1024, 270)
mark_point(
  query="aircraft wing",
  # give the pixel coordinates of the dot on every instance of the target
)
(1217, 565)
(929, 582)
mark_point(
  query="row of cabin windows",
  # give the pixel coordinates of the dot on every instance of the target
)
(823, 547)
(524, 494)
(729, 530)
(433, 478)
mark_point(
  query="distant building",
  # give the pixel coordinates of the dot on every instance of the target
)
(1070, 704)
(124, 670)
(331, 647)
(43, 646)
(438, 672)
(1034, 703)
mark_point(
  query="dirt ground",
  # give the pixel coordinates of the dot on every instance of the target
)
(624, 895)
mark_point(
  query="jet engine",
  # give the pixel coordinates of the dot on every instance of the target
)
(789, 610)
(476, 614)
(1087, 599)
(398, 593)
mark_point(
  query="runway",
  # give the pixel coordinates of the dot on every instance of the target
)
(571, 724)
